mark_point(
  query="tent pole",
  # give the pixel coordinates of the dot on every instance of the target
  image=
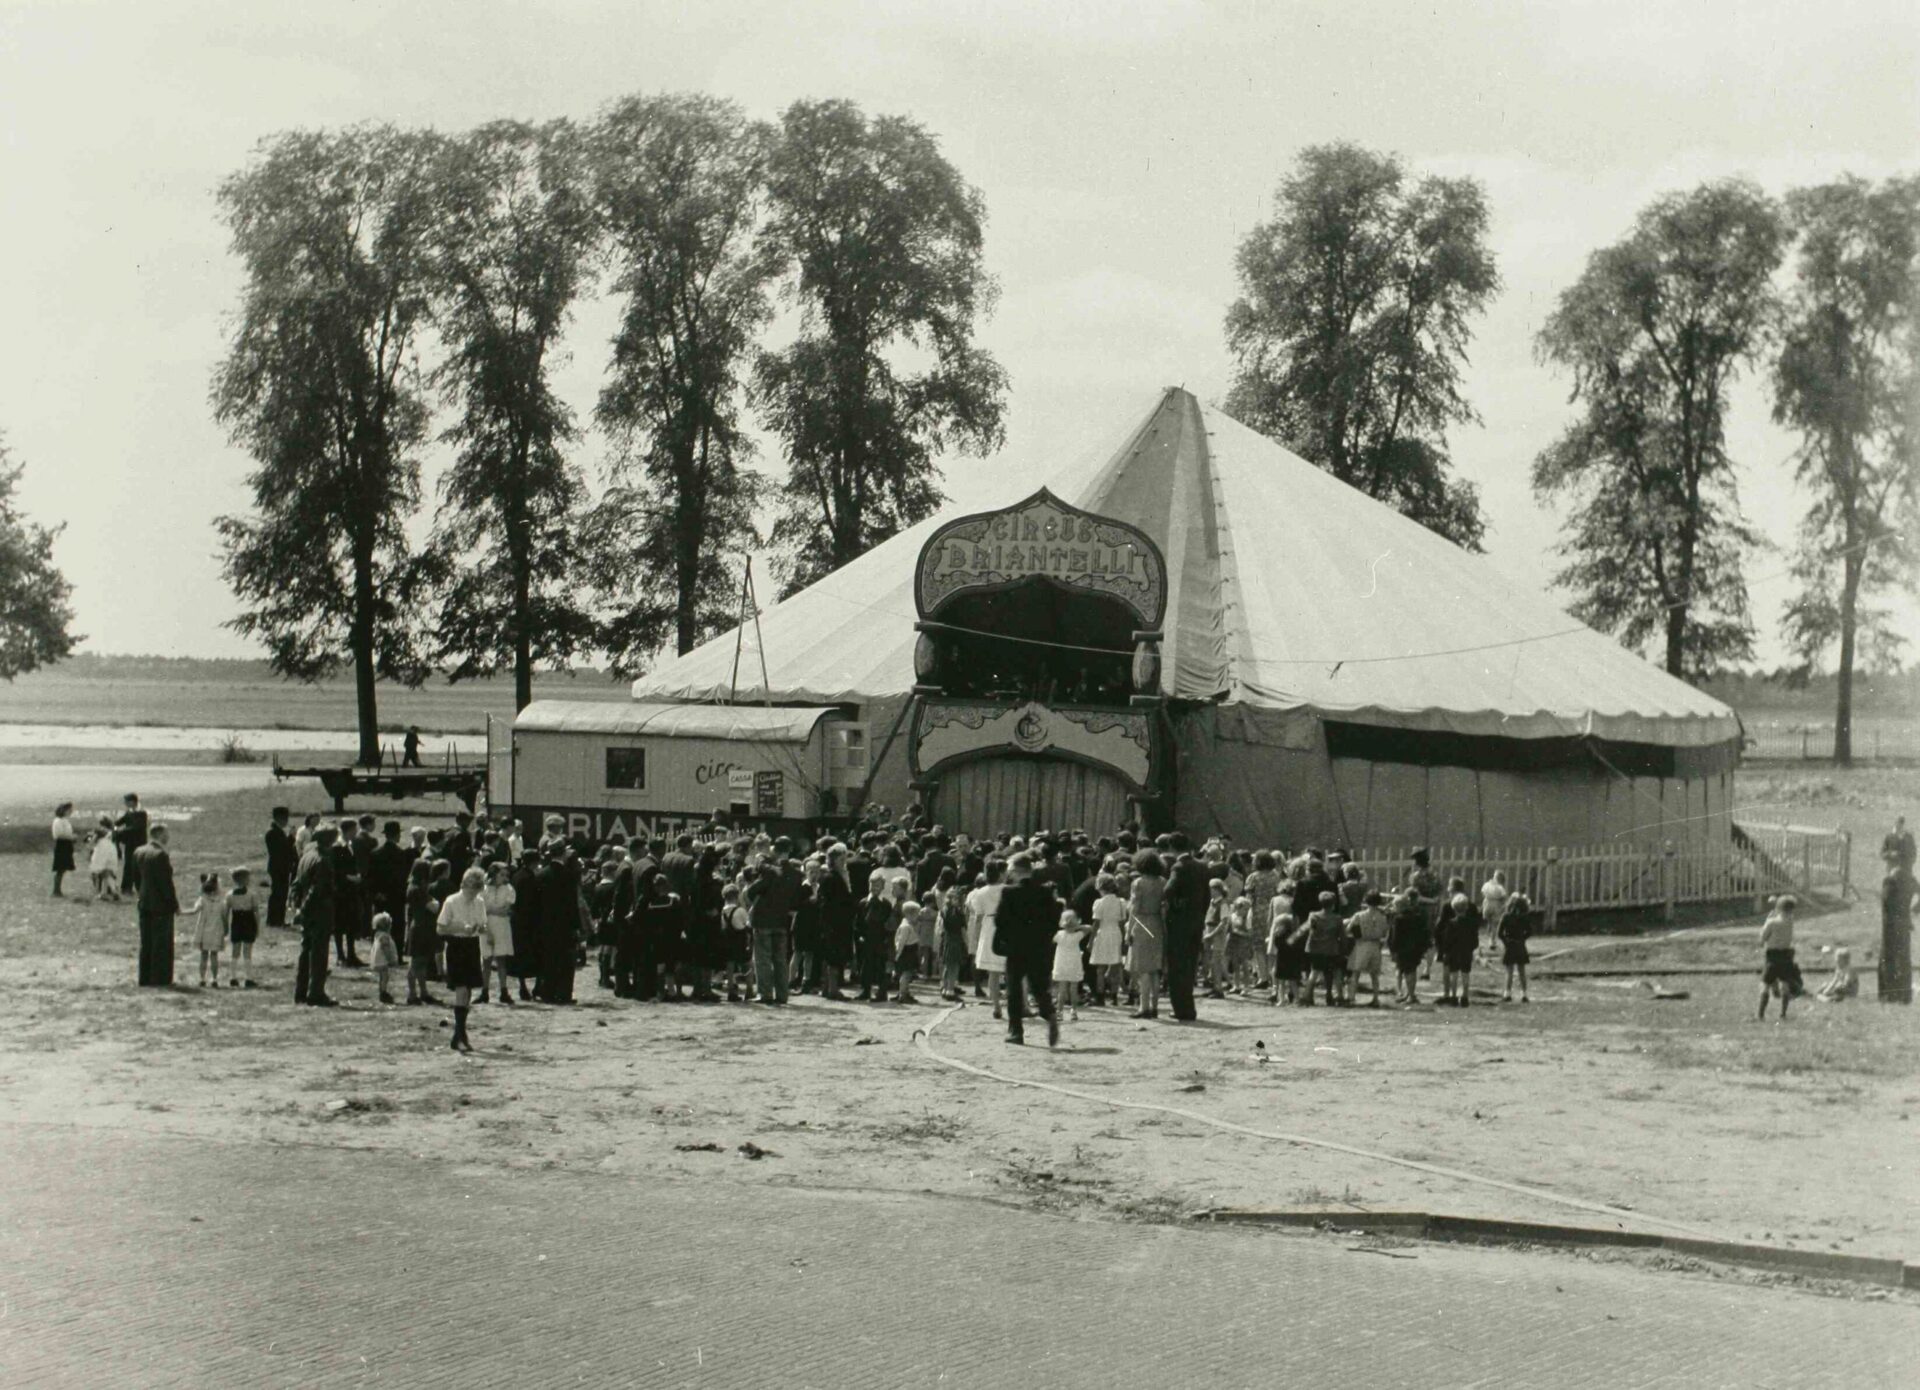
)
(740, 630)
(759, 643)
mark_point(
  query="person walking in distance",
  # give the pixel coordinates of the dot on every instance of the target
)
(157, 904)
(313, 903)
(282, 863)
(410, 747)
(1024, 928)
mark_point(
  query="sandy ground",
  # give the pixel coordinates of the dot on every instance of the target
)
(1682, 1110)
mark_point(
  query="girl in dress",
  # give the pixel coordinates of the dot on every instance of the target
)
(953, 936)
(422, 942)
(984, 906)
(1513, 932)
(1147, 930)
(499, 942)
(104, 864)
(386, 954)
(1109, 937)
(242, 912)
(63, 841)
(209, 927)
(906, 940)
(1067, 973)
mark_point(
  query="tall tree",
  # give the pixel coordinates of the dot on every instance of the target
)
(677, 184)
(1352, 326)
(1848, 379)
(1653, 332)
(36, 612)
(322, 386)
(885, 238)
(511, 250)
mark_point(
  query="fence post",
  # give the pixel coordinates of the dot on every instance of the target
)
(1846, 859)
(1667, 885)
(1803, 745)
(1806, 866)
(1550, 885)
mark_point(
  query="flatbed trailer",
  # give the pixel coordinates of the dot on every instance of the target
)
(451, 778)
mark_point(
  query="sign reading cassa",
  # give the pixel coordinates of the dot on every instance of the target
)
(1046, 538)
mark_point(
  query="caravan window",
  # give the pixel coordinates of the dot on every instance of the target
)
(626, 769)
(847, 754)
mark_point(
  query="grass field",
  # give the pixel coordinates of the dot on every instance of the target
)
(246, 695)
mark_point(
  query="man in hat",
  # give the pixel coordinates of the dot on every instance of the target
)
(1024, 925)
(157, 904)
(1897, 891)
(130, 831)
(313, 905)
(1186, 900)
(282, 860)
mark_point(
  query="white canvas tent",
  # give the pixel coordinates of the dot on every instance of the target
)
(1333, 671)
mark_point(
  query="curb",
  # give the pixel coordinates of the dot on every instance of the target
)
(1860, 1269)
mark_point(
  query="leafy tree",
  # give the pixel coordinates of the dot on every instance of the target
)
(1653, 332)
(1848, 379)
(1351, 328)
(885, 238)
(322, 386)
(510, 251)
(36, 616)
(677, 183)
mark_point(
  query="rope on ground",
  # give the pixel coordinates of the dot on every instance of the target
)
(923, 1039)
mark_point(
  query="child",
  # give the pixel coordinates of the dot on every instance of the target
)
(906, 940)
(1459, 939)
(1326, 949)
(1407, 941)
(737, 934)
(1780, 975)
(209, 930)
(104, 865)
(423, 940)
(1513, 931)
(875, 923)
(1283, 953)
(1109, 937)
(1843, 984)
(953, 936)
(242, 923)
(1240, 945)
(1067, 973)
(1213, 941)
(1368, 930)
(386, 954)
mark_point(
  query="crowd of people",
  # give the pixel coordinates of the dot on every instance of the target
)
(1043, 924)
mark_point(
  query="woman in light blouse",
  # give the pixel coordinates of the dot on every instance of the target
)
(463, 929)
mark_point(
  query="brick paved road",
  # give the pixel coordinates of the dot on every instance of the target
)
(128, 1260)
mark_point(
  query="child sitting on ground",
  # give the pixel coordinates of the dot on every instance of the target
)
(1843, 983)
(386, 955)
(209, 927)
(104, 865)
(1067, 971)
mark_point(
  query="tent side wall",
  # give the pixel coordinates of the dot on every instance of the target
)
(1266, 777)
(889, 728)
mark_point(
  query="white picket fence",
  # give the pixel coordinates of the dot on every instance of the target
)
(1761, 859)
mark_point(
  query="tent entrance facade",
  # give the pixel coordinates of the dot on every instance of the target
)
(988, 795)
(1037, 671)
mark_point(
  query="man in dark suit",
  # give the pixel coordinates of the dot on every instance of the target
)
(346, 893)
(1186, 906)
(131, 833)
(281, 864)
(313, 904)
(152, 873)
(1023, 933)
(387, 873)
(632, 887)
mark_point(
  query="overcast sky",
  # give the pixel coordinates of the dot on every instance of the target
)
(1124, 150)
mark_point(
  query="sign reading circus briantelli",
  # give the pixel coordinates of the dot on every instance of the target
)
(1043, 538)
